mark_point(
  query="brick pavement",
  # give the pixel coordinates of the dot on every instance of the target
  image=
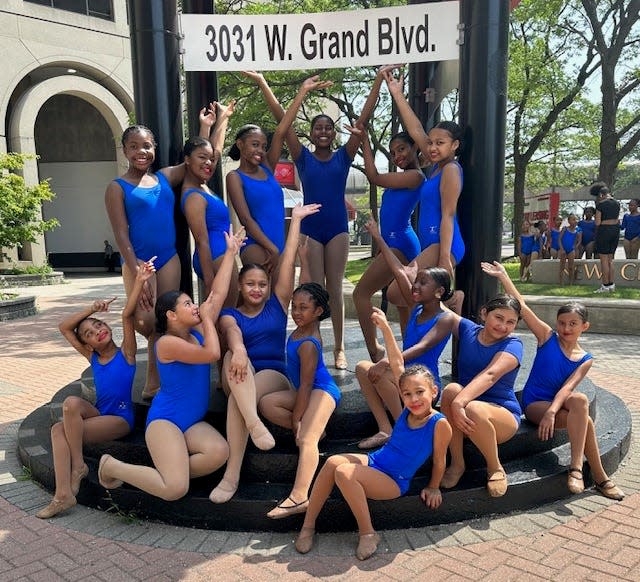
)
(583, 538)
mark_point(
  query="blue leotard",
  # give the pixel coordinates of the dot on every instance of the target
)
(113, 382)
(324, 182)
(631, 226)
(473, 357)
(183, 397)
(152, 231)
(265, 200)
(555, 239)
(431, 215)
(550, 370)
(322, 379)
(216, 216)
(395, 220)
(414, 333)
(406, 451)
(264, 335)
(568, 239)
(527, 242)
(588, 228)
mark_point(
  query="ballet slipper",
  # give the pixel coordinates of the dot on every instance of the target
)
(304, 541)
(281, 510)
(575, 481)
(610, 490)
(497, 483)
(55, 507)
(261, 436)
(451, 477)
(340, 360)
(224, 491)
(77, 477)
(106, 482)
(367, 545)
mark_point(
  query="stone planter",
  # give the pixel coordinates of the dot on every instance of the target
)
(7, 281)
(18, 307)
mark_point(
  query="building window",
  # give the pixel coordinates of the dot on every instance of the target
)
(97, 8)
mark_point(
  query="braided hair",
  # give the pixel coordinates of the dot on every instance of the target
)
(319, 296)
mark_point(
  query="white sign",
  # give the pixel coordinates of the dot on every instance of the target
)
(402, 34)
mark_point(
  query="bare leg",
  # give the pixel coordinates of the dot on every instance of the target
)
(336, 252)
(571, 266)
(457, 466)
(563, 261)
(373, 279)
(383, 393)
(169, 478)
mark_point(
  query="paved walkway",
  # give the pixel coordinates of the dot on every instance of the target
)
(585, 538)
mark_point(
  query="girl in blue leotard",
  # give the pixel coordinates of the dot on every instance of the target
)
(256, 196)
(140, 206)
(181, 444)
(113, 371)
(631, 227)
(549, 398)
(425, 338)
(402, 191)
(525, 248)
(482, 404)
(570, 239)
(438, 229)
(323, 173)
(420, 433)
(588, 227)
(307, 405)
(554, 244)
(255, 365)
(206, 213)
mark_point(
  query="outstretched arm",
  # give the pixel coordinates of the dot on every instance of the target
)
(69, 324)
(540, 329)
(410, 179)
(410, 120)
(283, 288)
(223, 113)
(394, 354)
(311, 84)
(129, 346)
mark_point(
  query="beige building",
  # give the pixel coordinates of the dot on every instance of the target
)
(66, 95)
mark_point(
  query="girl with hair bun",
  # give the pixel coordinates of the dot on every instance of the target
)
(426, 335)
(438, 229)
(607, 233)
(181, 444)
(307, 406)
(256, 196)
(206, 212)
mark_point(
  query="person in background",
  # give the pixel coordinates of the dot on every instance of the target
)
(631, 227)
(607, 233)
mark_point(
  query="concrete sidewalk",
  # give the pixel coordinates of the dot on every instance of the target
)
(585, 538)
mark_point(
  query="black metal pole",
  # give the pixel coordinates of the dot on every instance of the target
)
(202, 88)
(483, 89)
(156, 83)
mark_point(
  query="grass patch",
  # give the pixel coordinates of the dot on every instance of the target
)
(356, 267)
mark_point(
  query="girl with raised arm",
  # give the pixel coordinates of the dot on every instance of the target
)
(113, 370)
(255, 364)
(206, 212)
(256, 196)
(549, 398)
(438, 230)
(402, 191)
(182, 445)
(140, 206)
(324, 176)
(420, 433)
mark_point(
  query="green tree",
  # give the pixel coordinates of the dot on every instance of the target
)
(20, 205)
(548, 70)
(615, 27)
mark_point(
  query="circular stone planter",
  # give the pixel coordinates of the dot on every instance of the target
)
(7, 280)
(18, 307)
